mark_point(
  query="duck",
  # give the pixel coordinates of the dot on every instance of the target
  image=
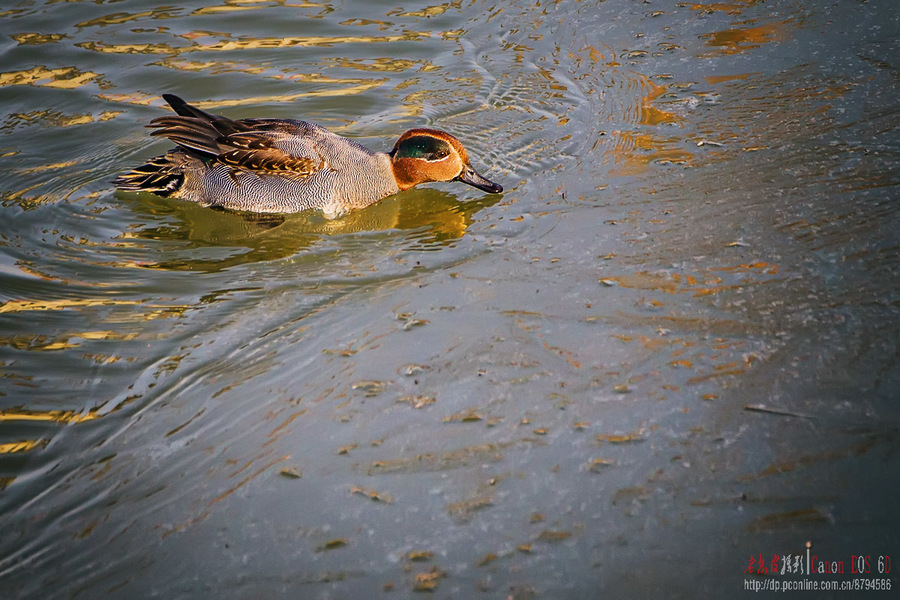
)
(288, 165)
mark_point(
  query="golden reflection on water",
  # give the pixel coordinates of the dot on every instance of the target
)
(151, 312)
(134, 98)
(19, 415)
(62, 77)
(428, 11)
(700, 284)
(52, 416)
(638, 151)
(43, 343)
(230, 45)
(65, 304)
(287, 98)
(36, 39)
(124, 17)
(716, 79)
(52, 118)
(49, 167)
(213, 67)
(634, 151)
(741, 39)
(389, 65)
(24, 446)
(382, 25)
(733, 8)
(648, 114)
(438, 217)
(237, 5)
(378, 64)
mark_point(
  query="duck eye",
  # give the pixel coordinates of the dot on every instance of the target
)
(440, 154)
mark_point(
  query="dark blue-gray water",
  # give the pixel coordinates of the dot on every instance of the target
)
(670, 348)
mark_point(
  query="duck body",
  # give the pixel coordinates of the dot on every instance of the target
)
(285, 165)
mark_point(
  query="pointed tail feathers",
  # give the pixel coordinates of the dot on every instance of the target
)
(160, 176)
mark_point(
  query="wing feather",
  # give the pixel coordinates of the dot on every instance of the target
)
(251, 145)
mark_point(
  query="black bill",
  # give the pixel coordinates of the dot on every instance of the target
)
(470, 175)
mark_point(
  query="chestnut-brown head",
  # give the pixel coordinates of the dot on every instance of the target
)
(423, 155)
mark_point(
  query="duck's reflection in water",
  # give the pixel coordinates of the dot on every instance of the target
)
(433, 218)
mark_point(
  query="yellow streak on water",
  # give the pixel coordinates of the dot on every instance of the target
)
(63, 77)
(137, 99)
(50, 167)
(741, 39)
(24, 446)
(54, 416)
(249, 44)
(652, 115)
(364, 85)
(637, 151)
(55, 119)
(237, 5)
(429, 11)
(130, 48)
(714, 79)
(213, 66)
(389, 65)
(151, 313)
(123, 17)
(36, 39)
(700, 285)
(41, 343)
(256, 100)
(212, 10)
(730, 7)
(42, 305)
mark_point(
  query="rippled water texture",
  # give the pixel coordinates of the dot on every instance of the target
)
(670, 345)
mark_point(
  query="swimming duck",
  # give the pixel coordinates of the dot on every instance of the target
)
(285, 165)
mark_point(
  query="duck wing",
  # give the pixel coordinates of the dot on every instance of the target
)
(248, 145)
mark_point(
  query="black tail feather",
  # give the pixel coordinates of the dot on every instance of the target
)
(188, 132)
(159, 176)
(196, 130)
(186, 110)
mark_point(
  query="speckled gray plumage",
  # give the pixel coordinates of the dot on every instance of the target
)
(348, 175)
(338, 176)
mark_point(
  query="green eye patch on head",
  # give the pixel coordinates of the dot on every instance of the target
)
(422, 146)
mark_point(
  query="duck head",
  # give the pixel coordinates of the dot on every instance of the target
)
(423, 155)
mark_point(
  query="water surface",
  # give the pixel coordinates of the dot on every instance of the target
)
(670, 345)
